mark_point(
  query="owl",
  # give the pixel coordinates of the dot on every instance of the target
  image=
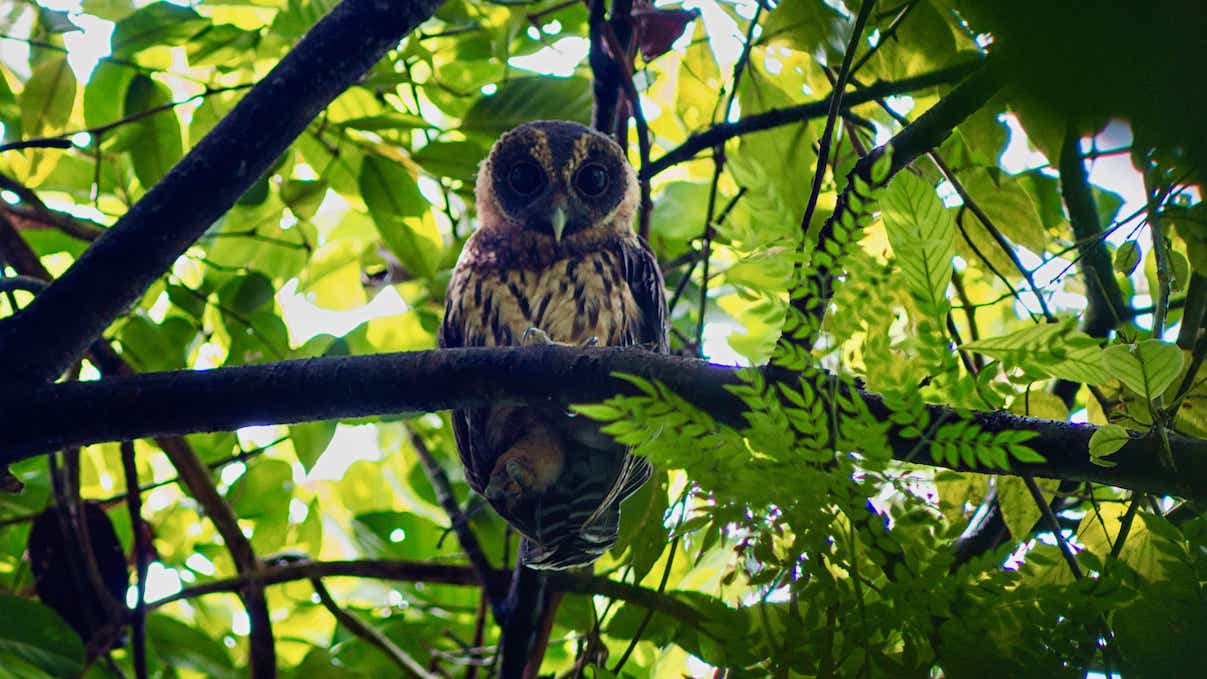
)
(554, 259)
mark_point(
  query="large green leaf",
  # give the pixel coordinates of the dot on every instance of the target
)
(105, 93)
(1057, 349)
(522, 100)
(48, 98)
(397, 208)
(157, 143)
(1008, 206)
(1147, 367)
(160, 23)
(176, 644)
(264, 489)
(37, 635)
(922, 233)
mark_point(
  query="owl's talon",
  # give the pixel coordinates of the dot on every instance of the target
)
(510, 483)
(536, 336)
(589, 342)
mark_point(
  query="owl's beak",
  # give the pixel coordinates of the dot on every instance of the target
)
(558, 220)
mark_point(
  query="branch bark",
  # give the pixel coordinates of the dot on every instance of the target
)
(51, 416)
(41, 341)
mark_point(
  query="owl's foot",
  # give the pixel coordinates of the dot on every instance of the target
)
(511, 481)
(529, 467)
(536, 336)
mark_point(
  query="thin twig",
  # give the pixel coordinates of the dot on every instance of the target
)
(369, 634)
(1053, 524)
(724, 131)
(142, 559)
(823, 153)
(649, 614)
(886, 35)
(460, 524)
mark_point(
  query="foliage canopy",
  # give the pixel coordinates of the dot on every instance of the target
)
(978, 240)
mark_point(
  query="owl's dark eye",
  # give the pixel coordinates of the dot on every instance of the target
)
(591, 180)
(525, 178)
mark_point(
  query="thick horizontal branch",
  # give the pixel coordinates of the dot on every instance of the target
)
(40, 342)
(51, 416)
(420, 571)
(722, 132)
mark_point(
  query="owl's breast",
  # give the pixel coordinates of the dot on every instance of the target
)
(571, 299)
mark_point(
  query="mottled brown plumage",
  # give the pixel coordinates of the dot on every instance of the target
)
(555, 252)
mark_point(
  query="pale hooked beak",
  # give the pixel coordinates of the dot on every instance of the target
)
(558, 219)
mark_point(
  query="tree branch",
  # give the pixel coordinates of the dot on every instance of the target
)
(40, 342)
(1105, 306)
(46, 417)
(724, 131)
(192, 473)
(418, 571)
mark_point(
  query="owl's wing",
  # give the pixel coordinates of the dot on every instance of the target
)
(469, 426)
(644, 278)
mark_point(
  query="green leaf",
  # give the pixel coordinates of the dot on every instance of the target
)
(263, 490)
(1127, 257)
(219, 45)
(157, 141)
(1018, 507)
(37, 635)
(310, 440)
(522, 100)
(922, 233)
(1108, 439)
(245, 294)
(453, 159)
(48, 98)
(1057, 349)
(176, 644)
(396, 206)
(1147, 368)
(386, 121)
(105, 93)
(1008, 205)
(161, 23)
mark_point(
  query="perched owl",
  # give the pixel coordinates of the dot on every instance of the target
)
(554, 259)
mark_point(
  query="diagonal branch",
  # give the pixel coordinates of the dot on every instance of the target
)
(51, 416)
(191, 472)
(459, 522)
(369, 633)
(40, 342)
(917, 138)
(724, 131)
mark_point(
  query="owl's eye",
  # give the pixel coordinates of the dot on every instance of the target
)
(591, 180)
(525, 178)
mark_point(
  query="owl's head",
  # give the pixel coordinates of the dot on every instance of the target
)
(557, 178)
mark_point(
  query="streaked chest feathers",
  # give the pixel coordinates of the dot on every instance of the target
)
(572, 300)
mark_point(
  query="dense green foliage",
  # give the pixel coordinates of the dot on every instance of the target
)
(802, 545)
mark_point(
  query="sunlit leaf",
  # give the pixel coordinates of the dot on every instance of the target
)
(1147, 367)
(922, 232)
(160, 23)
(1108, 439)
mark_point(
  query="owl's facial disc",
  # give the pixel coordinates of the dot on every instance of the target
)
(558, 178)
